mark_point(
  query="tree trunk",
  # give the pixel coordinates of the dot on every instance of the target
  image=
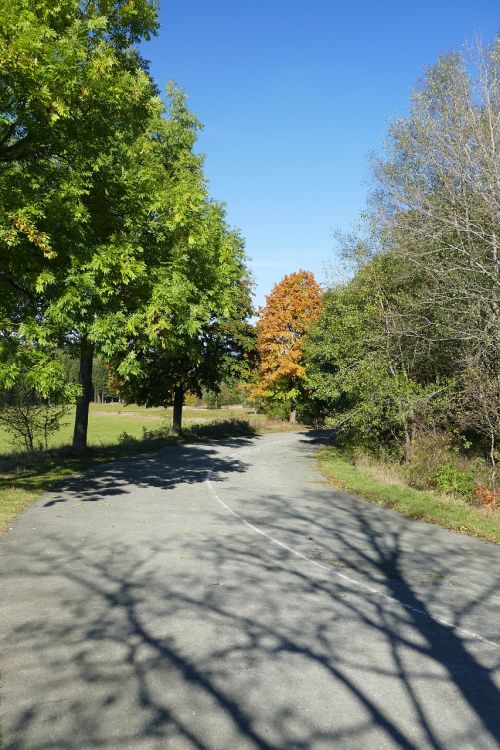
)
(293, 413)
(177, 415)
(408, 443)
(28, 439)
(493, 465)
(82, 406)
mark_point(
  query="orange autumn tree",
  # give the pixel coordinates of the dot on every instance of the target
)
(290, 308)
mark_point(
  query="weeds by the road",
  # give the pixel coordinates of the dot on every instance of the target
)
(390, 492)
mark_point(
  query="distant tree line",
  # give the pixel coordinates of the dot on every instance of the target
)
(102, 386)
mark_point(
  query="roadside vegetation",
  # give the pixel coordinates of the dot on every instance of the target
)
(401, 354)
(403, 361)
(383, 484)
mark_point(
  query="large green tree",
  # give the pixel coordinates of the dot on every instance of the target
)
(369, 363)
(74, 99)
(207, 338)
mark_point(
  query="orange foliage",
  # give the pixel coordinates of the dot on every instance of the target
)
(484, 496)
(291, 307)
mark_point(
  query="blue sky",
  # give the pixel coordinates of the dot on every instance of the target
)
(294, 96)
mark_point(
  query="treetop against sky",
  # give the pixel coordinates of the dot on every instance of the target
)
(294, 96)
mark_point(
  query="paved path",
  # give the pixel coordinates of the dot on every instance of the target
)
(223, 597)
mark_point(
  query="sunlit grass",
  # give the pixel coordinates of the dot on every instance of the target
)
(108, 421)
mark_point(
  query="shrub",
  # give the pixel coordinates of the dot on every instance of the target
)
(430, 453)
(222, 428)
(218, 428)
(450, 480)
(278, 410)
(443, 453)
(157, 433)
(486, 497)
(125, 438)
(29, 417)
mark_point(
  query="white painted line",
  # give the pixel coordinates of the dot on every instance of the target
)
(351, 581)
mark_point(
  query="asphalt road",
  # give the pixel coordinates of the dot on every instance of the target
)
(223, 597)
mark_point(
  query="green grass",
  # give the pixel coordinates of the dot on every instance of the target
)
(108, 421)
(24, 477)
(427, 506)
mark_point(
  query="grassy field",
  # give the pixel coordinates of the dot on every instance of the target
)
(108, 421)
(450, 512)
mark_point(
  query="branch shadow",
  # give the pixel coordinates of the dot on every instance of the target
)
(163, 470)
(226, 640)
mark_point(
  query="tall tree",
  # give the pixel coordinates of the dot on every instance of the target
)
(291, 307)
(195, 353)
(369, 363)
(75, 97)
(437, 207)
(413, 340)
(112, 247)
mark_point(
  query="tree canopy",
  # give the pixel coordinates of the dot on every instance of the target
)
(290, 308)
(412, 342)
(110, 243)
(188, 354)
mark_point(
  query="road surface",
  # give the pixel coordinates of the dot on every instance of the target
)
(223, 597)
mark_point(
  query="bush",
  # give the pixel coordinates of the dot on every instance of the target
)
(157, 433)
(30, 417)
(450, 480)
(125, 438)
(278, 410)
(222, 428)
(218, 428)
(433, 452)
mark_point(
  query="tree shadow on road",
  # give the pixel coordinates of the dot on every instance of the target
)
(162, 470)
(228, 640)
